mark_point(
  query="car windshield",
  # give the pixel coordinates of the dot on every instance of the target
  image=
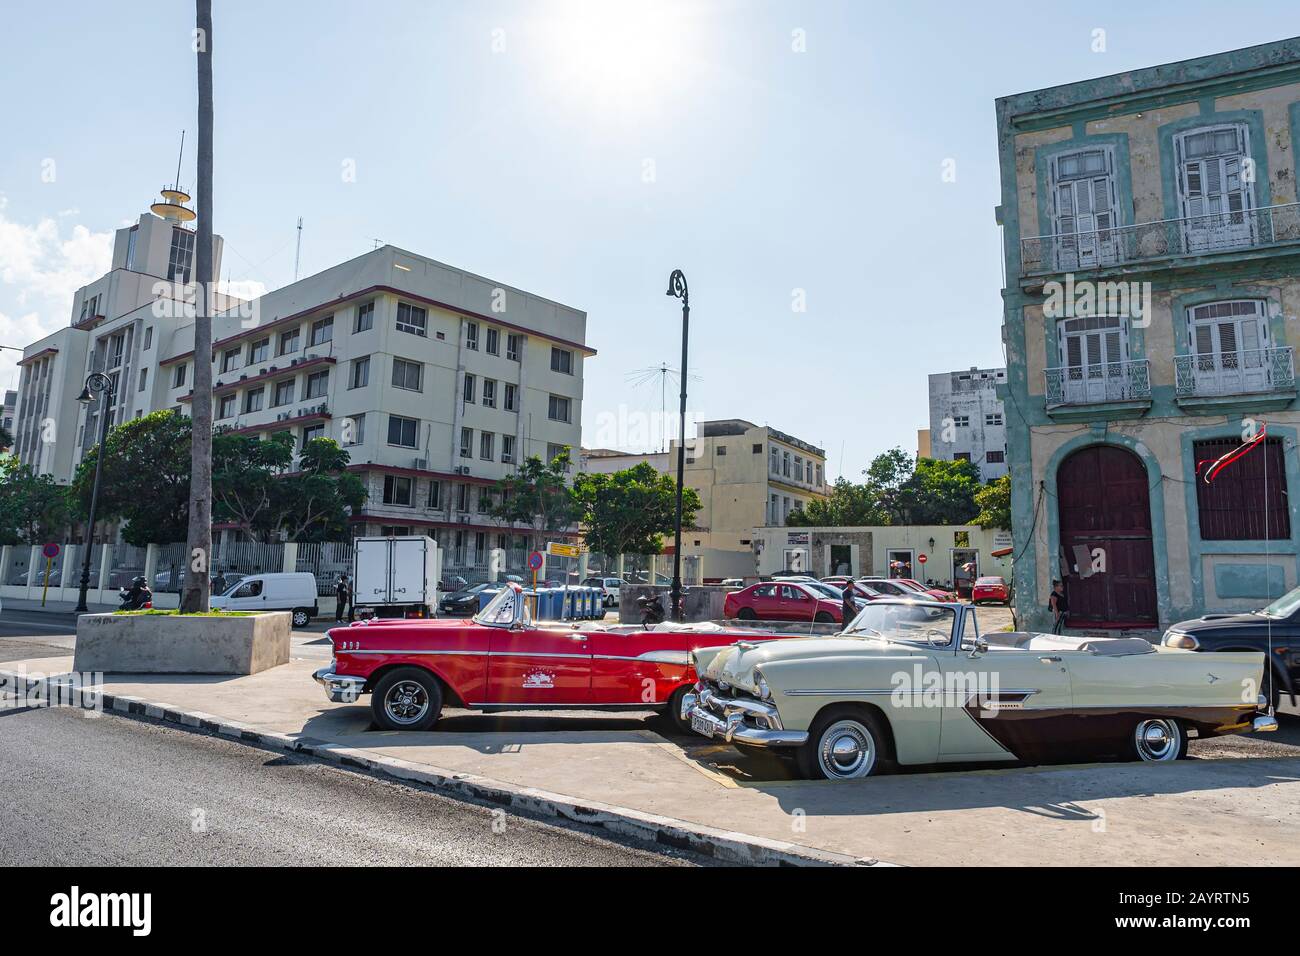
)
(501, 609)
(1284, 606)
(825, 590)
(911, 623)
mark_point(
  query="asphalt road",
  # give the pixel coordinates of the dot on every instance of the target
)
(113, 790)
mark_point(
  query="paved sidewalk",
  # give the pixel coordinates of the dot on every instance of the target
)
(1195, 812)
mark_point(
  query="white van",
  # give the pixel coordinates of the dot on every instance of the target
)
(294, 591)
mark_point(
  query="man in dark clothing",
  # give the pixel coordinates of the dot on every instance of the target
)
(343, 599)
(850, 608)
(1059, 605)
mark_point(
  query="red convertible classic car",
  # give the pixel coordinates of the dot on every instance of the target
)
(500, 660)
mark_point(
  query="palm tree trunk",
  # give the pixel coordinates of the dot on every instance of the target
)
(195, 598)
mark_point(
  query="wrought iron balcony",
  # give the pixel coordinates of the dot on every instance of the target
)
(1248, 371)
(1098, 383)
(1191, 236)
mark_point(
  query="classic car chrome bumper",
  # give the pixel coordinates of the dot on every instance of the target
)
(737, 720)
(339, 688)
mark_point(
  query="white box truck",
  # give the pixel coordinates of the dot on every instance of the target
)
(395, 577)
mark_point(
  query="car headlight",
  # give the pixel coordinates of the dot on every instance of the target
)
(761, 690)
(1180, 640)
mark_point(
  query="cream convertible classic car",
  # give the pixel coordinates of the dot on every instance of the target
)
(915, 683)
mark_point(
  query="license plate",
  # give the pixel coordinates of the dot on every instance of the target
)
(701, 726)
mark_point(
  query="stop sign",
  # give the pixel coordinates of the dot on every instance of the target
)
(922, 559)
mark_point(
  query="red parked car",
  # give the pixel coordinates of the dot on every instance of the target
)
(501, 660)
(939, 594)
(782, 601)
(990, 589)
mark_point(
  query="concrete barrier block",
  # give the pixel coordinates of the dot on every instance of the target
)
(181, 644)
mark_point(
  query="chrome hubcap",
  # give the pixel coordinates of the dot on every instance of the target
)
(1157, 739)
(846, 751)
(406, 702)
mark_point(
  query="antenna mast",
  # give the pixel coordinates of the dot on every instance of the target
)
(297, 255)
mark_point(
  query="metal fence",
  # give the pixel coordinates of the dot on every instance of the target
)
(327, 560)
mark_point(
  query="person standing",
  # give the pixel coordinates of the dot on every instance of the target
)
(342, 599)
(849, 610)
(1059, 605)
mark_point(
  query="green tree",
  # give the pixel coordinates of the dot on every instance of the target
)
(887, 476)
(629, 511)
(315, 502)
(33, 509)
(994, 503)
(847, 505)
(537, 495)
(940, 492)
(6, 439)
(145, 482)
(246, 479)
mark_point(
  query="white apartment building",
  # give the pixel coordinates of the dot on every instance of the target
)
(967, 419)
(436, 382)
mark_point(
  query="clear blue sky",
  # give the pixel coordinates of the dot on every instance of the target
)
(772, 170)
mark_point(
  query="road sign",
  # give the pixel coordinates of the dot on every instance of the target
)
(922, 559)
(563, 550)
(50, 550)
(535, 561)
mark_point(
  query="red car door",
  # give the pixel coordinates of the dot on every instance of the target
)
(796, 604)
(539, 665)
(765, 602)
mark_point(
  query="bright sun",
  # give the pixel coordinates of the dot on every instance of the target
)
(628, 54)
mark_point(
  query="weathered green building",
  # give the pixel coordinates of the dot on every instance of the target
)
(1152, 245)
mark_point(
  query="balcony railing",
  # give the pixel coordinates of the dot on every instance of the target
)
(1191, 236)
(1098, 383)
(1234, 373)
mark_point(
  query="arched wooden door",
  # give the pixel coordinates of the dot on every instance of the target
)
(1104, 502)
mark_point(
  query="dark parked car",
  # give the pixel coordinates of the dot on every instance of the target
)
(465, 602)
(1274, 631)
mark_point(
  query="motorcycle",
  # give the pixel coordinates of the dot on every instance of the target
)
(652, 612)
(137, 597)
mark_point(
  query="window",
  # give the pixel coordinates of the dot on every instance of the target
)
(144, 374)
(489, 393)
(283, 393)
(434, 499)
(407, 375)
(819, 475)
(359, 376)
(397, 490)
(1213, 188)
(288, 342)
(511, 400)
(1083, 193)
(395, 531)
(259, 351)
(561, 361)
(514, 345)
(757, 448)
(466, 443)
(226, 408)
(1247, 501)
(507, 448)
(798, 467)
(493, 346)
(401, 431)
(130, 249)
(413, 319)
(148, 338)
(468, 389)
(365, 318)
(487, 446)
(471, 336)
(462, 497)
(230, 360)
(554, 451)
(774, 462)
(785, 464)
(322, 331)
(178, 378)
(317, 384)
(961, 421)
(961, 456)
(995, 457)
(994, 418)
(484, 500)
(1229, 342)
(354, 429)
(557, 409)
(253, 400)
(720, 450)
(181, 258)
(311, 433)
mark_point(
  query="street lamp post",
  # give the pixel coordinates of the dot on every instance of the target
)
(96, 383)
(677, 288)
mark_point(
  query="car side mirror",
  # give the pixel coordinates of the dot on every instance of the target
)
(977, 647)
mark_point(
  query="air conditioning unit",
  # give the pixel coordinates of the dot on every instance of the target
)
(244, 376)
(421, 464)
(294, 362)
(462, 469)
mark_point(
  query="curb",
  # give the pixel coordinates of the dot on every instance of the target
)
(721, 845)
